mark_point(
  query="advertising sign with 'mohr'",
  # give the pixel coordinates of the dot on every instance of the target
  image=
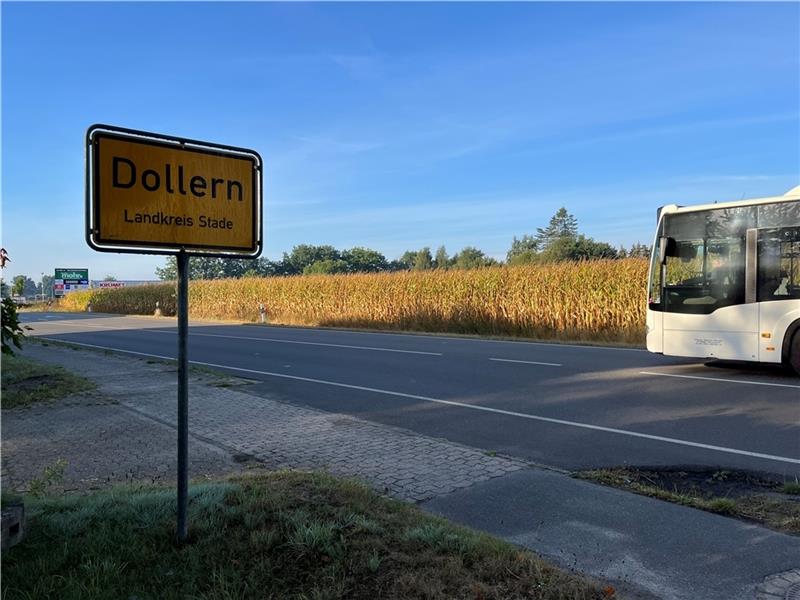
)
(148, 192)
(70, 280)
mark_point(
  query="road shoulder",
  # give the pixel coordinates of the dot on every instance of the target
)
(641, 544)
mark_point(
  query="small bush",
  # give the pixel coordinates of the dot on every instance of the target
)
(724, 506)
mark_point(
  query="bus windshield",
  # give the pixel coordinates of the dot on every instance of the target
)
(704, 264)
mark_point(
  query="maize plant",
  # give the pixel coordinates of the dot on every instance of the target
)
(602, 300)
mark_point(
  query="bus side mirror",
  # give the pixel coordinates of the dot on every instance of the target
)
(667, 246)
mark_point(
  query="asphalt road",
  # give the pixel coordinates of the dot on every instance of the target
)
(565, 406)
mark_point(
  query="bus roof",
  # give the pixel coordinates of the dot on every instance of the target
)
(791, 196)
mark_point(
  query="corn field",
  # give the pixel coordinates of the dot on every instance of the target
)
(591, 301)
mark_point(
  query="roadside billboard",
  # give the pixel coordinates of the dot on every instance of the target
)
(70, 280)
(120, 283)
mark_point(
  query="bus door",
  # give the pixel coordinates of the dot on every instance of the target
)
(777, 287)
(705, 312)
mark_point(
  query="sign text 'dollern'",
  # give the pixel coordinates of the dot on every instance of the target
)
(148, 191)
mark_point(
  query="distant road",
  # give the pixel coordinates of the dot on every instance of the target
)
(565, 406)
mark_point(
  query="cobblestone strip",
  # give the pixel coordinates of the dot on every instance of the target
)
(95, 444)
(404, 464)
(781, 586)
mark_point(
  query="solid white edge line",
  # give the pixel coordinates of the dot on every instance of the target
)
(147, 354)
(279, 341)
(499, 411)
(413, 335)
(527, 362)
(786, 385)
(257, 339)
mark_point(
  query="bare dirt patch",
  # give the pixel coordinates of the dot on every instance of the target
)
(26, 382)
(744, 495)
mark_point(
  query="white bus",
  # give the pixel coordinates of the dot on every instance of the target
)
(725, 281)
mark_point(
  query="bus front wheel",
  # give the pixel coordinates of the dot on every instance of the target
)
(794, 353)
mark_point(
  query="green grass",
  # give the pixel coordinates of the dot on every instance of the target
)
(723, 506)
(26, 382)
(791, 487)
(768, 509)
(282, 535)
(222, 379)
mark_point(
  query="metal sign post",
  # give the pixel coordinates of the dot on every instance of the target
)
(183, 393)
(148, 193)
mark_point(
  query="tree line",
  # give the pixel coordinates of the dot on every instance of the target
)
(559, 241)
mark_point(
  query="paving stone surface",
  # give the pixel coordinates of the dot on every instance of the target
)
(781, 586)
(222, 414)
(93, 442)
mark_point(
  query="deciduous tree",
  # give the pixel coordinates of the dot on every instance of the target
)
(471, 258)
(423, 260)
(364, 260)
(522, 250)
(442, 261)
(326, 267)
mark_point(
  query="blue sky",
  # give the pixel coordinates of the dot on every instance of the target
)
(397, 126)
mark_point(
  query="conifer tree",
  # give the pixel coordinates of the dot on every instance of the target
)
(562, 225)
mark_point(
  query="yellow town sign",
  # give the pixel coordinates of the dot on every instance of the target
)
(152, 193)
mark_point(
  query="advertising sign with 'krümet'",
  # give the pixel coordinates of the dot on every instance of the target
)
(162, 194)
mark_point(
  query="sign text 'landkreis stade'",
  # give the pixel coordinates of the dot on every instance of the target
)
(155, 194)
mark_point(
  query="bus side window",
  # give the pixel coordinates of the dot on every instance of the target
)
(790, 268)
(779, 264)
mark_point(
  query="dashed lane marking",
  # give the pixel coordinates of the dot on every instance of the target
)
(510, 413)
(527, 362)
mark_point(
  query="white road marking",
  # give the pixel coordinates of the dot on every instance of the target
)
(279, 341)
(258, 339)
(81, 324)
(499, 411)
(786, 385)
(553, 344)
(147, 354)
(527, 362)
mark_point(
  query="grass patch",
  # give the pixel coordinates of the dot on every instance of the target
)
(792, 487)
(278, 535)
(736, 494)
(221, 378)
(26, 382)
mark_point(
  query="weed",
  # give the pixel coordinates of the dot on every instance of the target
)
(441, 539)
(315, 537)
(720, 475)
(374, 562)
(791, 487)
(724, 506)
(51, 475)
